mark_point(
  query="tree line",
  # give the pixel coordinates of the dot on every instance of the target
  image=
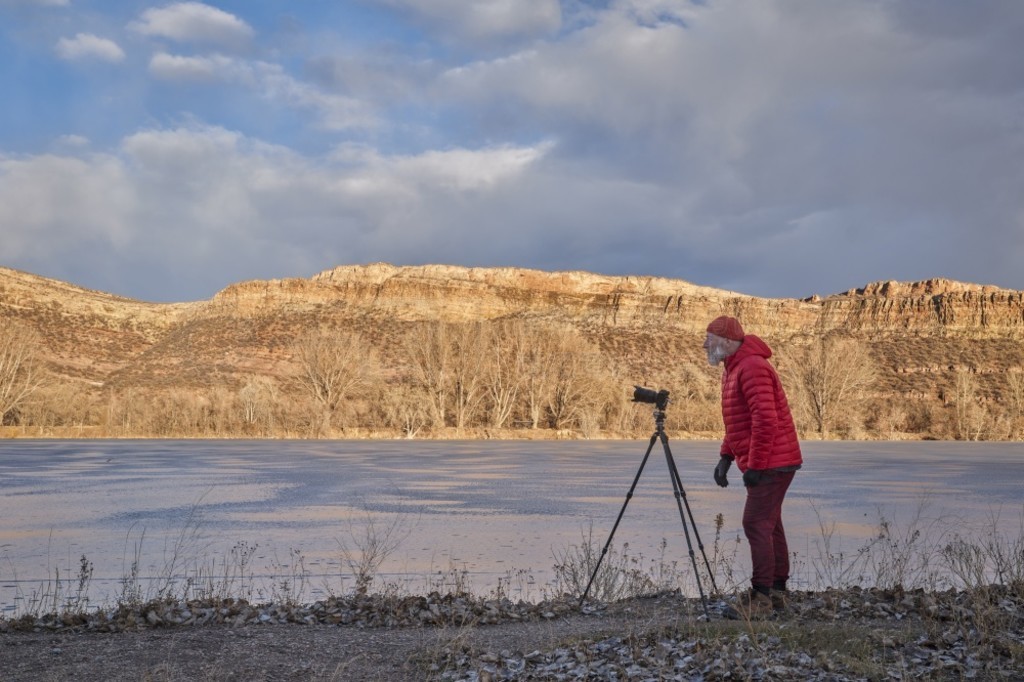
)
(505, 378)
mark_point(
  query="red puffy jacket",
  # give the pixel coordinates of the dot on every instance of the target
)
(759, 430)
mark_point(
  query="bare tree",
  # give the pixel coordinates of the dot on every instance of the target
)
(176, 412)
(969, 417)
(891, 418)
(1014, 401)
(21, 372)
(123, 412)
(574, 392)
(697, 400)
(405, 407)
(331, 365)
(430, 355)
(256, 401)
(448, 362)
(620, 413)
(469, 358)
(541, 359)
(505, 370)
(221, 414)
(608, 404)
(823, 379)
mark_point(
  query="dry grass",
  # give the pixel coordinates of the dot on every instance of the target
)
(960, 589)
(924, 552)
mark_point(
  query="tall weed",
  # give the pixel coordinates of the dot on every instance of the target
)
(617, 575)
(367, 546)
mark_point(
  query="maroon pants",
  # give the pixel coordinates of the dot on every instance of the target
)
(762, 524)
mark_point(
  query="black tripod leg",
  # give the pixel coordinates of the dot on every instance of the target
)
(622, 511)
(677, 488)
(700, 545)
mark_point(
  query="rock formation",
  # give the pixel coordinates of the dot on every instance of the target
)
(919, 330)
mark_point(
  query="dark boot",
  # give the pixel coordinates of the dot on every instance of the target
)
(752, 605)
(780, 596)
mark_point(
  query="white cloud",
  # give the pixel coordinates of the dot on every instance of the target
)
(72, 141)
(482, 20)
(194, 22)
(202, 158)
(763, 113)
(730, 143)
(50, 205)
(336, 112)
(228, 207)
(270, 81)
(186, 68)
(452, 171)
(465, 169)
(88, 46)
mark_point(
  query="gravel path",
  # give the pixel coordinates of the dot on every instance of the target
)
(835, 635)
(292, 651)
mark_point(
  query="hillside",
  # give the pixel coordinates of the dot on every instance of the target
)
(920, 334)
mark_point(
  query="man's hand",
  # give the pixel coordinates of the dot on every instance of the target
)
(721, 470)
(752, 477)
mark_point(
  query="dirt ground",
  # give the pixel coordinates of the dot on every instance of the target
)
(293, 652)
(851, 634)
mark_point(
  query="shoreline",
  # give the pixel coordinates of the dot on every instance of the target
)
(14, 433)
(835, 635)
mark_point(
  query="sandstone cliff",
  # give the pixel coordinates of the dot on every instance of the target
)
(936, 306)
(918, 331)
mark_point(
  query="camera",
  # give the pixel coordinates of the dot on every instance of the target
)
(648, 395)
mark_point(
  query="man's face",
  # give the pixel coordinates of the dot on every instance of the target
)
(717, 348)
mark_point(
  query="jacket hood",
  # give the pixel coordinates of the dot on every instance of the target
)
(752, 345)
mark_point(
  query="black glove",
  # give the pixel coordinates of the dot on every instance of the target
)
(721, 470)
(752, 477)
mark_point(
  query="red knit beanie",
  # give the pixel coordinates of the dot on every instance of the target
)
(726, 327)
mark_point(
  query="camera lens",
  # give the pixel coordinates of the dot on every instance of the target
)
(644, 395)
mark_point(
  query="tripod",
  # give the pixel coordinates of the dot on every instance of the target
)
(681, 502)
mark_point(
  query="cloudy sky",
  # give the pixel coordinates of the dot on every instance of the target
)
(774, 147)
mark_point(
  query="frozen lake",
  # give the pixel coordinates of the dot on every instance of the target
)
(488, 508)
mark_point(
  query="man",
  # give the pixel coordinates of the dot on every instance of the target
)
(761, 438)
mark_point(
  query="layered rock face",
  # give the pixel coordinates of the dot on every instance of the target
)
(935, 306)
(247, 328)
(459, 294)
(439, 292)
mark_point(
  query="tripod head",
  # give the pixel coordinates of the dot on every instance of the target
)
(659, 421)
